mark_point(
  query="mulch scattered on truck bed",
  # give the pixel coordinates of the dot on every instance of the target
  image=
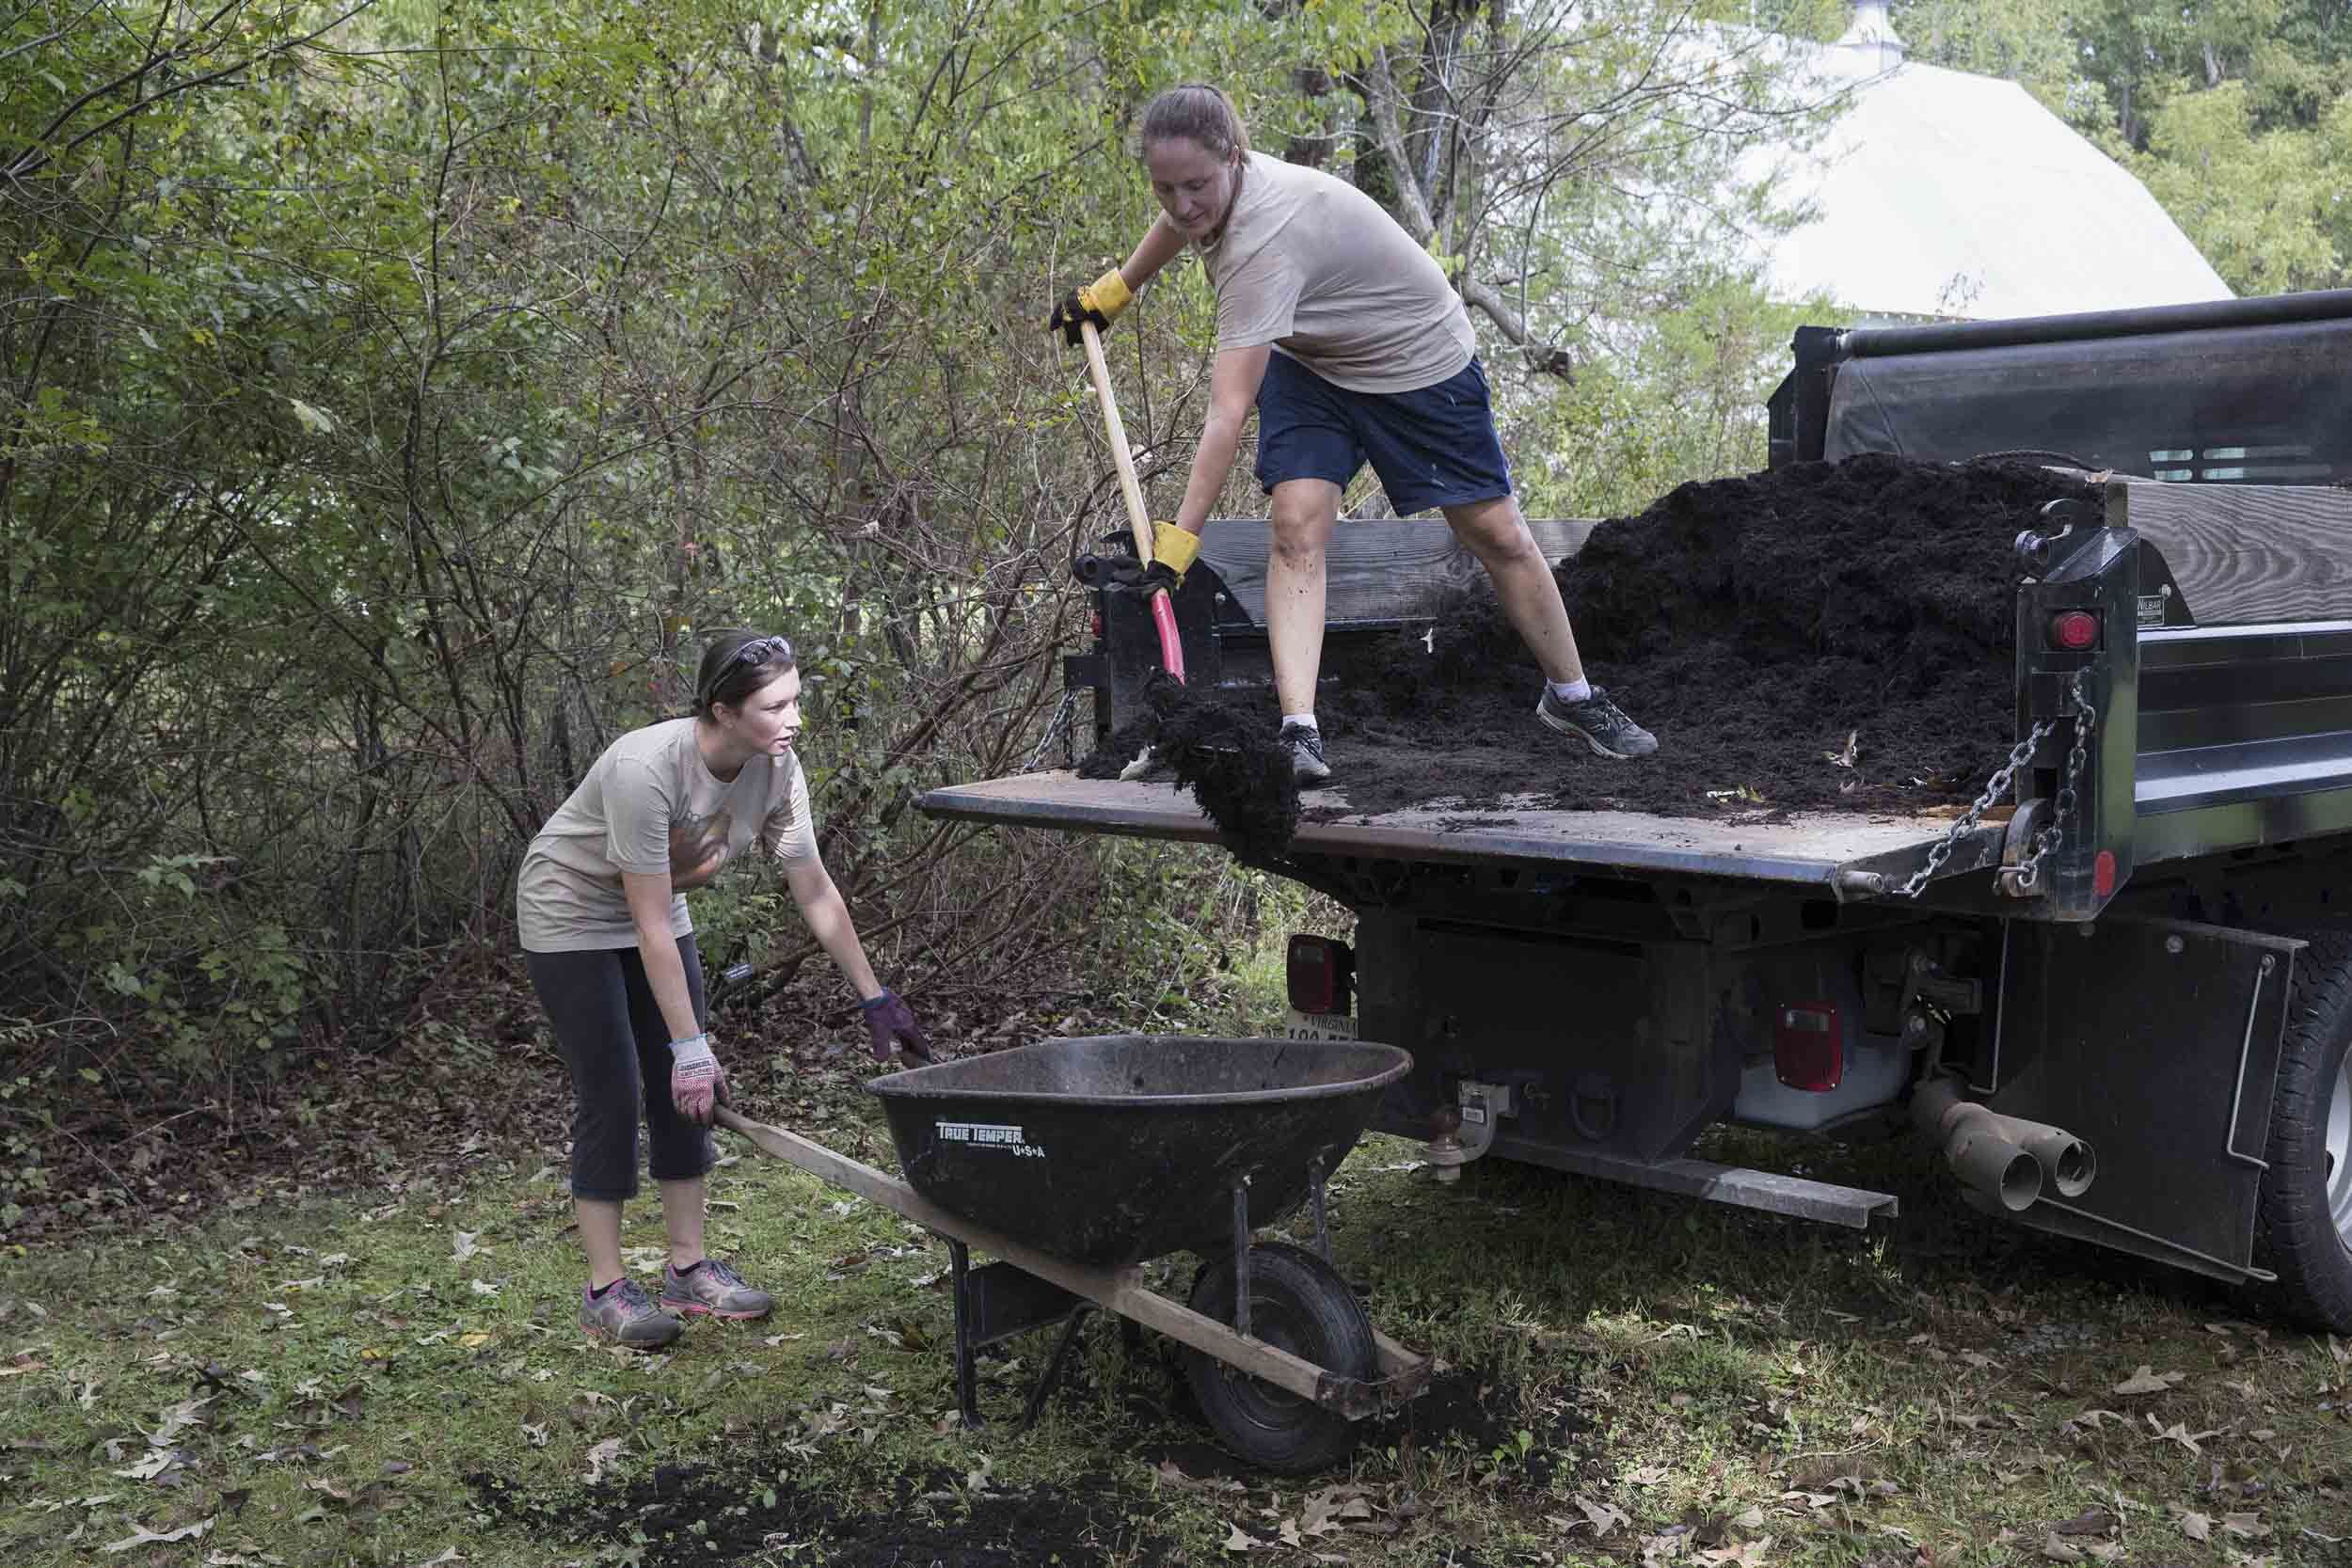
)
(1827, 636)
(1823, 637)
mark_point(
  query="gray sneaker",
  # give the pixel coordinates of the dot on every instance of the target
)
(1304, 746)
(713, 1289)
(626, 1315)
(1599, 722)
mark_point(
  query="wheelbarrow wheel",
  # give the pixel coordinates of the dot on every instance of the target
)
(1300, 1304)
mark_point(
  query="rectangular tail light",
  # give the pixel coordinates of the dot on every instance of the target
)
(1808, 1046)
(1317, 972)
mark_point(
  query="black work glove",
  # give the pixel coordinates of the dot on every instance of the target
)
(1098, 302)
(890, 1023)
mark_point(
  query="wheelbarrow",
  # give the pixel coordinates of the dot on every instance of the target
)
(1073, 1162)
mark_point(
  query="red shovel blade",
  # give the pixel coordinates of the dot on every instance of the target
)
(1172, 645)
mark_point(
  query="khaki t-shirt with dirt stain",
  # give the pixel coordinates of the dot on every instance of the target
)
(1312, 266)
(649, 805)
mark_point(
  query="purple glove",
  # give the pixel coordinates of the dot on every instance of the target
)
(890, 1021)
(696, 1081)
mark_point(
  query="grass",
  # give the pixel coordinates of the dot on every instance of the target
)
(1629, 1379)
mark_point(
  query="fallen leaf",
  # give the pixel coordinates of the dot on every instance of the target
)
(462, 1243)
(1242, 1541)
(1603, 1517)
(2096, 1419)
(2178, 1432)
(150, 1538)
(604, 1453)
(2147, 1380)
(1747, 1554)
(2056, 1549)
(2090, 1521)
(2195, 1525)
(2248, 1527)
(1648, 1475)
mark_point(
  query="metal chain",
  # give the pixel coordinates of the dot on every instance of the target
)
(1054, 727)
(2077, 756)
(1994, 788)
(2047, 839)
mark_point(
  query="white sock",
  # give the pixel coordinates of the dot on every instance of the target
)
(1577, 690)
(1305, 719)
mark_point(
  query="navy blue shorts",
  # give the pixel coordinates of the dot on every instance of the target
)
(1434, 447)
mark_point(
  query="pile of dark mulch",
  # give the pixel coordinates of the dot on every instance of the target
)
(1761, 627)
(1224, 752)
(1826, 636)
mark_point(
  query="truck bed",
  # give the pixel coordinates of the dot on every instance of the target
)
(1847, 854)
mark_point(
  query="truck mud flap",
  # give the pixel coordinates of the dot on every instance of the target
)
(2157, 1042)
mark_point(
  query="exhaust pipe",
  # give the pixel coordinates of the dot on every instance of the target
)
(2007, 1158)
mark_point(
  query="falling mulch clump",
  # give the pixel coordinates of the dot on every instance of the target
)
(1226, 754)
(1824, 636)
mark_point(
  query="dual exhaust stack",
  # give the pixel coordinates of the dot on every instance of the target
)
(2008, 1159)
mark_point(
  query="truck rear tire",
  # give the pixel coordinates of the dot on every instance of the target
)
(2303, 1225)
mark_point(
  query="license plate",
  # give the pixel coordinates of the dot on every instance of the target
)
(1318, 1026)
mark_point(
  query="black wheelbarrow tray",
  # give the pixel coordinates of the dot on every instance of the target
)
(1073, 1162)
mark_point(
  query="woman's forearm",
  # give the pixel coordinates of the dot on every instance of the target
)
(1212, 461)
(828, 917)
(665, 975)
(1161, 243)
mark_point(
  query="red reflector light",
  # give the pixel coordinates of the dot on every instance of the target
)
(2103, 874)
(1808, 1047)
(1098, 626)
(1316, 971)
(2074, 630)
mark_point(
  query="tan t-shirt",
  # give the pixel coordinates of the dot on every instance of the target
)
(1312, 265)
(650, 804)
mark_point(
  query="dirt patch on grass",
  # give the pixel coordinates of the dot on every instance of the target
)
(1826, 636)
(696, 1514)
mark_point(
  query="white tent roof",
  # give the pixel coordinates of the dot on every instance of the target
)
(1942, 193)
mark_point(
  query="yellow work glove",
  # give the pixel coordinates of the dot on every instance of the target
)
(1176, 550)
(1098, 302)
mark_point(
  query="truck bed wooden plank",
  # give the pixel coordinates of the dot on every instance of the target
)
(1811, 848)
(2246, 553)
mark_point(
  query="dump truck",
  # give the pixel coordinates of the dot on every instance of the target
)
(2114, 992)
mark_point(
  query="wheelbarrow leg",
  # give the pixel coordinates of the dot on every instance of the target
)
(967, 1377)
(1241, 1257)
(1315, 1197)
(1054, 1368)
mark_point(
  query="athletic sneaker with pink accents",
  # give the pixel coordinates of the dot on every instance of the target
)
(710, 1289)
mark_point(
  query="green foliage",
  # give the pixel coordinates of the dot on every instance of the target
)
(390, 402)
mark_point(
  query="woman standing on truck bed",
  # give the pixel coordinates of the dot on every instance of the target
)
(1354, 347)
(611, 950)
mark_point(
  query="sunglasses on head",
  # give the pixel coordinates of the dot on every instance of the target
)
(759, 650)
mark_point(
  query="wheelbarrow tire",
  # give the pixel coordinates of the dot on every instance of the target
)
(1299, 1303)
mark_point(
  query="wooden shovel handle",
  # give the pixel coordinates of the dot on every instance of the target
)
(1128, 486)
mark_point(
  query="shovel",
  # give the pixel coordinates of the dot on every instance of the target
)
(1163, 612)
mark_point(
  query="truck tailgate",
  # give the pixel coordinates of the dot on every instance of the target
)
(1848, 854)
